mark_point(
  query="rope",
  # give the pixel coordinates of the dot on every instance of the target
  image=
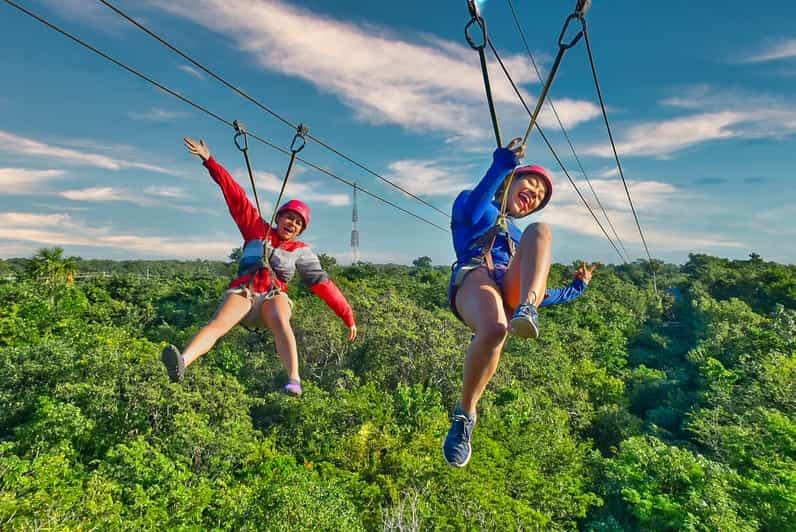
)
(262, 106)
(561, 126)
(553, 152)
(616, 154)
(478, 46)
(210, 113)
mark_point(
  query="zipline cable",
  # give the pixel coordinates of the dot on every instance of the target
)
(616, 154)
(552, 150)
(561, 125)
(210, 113)
(262, 106)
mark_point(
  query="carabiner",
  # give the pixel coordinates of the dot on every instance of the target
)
(561, 41)
(240, 131)
(299, 139)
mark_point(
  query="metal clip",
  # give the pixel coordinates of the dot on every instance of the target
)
(475, 18)
(561, 39)
(299, 139)
(240, 131)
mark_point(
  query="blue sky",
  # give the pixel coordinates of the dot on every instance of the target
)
(702, 102)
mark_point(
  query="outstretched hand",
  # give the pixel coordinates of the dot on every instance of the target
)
(585, 272)
(197, 148)
(352, 333)
(517, 147)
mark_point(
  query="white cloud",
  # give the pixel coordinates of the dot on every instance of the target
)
(430, 178)
(26, 181)
(16, 144)
(668, 136)
(166, 192)
(188, 69)
(656, 202)
(782, 49)
(157, 114)
(430, 84)
(63, 230)
(96, 194)
(305, 190)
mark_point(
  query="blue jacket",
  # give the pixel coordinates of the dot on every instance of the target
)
(476, 211)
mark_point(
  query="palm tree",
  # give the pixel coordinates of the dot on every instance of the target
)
(50, 267)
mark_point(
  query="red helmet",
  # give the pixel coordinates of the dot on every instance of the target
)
(537, 170)
(300, 208)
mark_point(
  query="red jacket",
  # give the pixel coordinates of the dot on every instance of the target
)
(286, 256)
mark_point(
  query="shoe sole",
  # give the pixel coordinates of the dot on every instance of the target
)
(171, 359)
(466, 460)
(524, 328)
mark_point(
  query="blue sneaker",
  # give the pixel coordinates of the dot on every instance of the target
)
(293, 387)
(457, 449)
(525, 322)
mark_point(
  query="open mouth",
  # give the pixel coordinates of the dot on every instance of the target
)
(525, 200)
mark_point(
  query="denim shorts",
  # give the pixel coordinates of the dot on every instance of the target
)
(254, 318)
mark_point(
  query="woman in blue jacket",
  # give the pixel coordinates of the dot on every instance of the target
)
(500, 271)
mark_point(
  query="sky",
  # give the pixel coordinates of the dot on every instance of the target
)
(702, 104)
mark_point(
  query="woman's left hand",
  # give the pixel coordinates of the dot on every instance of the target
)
(352, 333)
(585, 272)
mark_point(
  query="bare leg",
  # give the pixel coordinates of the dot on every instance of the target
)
(232, 309)
(276, 314)
(480, 304)
(526, 278)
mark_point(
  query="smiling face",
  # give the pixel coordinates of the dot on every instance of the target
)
(289, 225)
(526, 194)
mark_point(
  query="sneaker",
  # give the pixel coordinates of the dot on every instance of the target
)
(174, 362)
(292, 388)
(457, 449)
(525, 322)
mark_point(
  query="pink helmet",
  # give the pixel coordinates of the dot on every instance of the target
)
(300, 208)
(537, 170)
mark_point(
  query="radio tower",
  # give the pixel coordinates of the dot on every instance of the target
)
(354, 230)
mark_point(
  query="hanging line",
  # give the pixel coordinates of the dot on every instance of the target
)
(616, 154)
(518, 25)
(477, 19)
(563, 46)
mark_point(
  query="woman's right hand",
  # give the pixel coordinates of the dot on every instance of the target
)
(197, 148)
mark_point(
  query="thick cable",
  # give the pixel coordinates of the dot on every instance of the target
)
(563, 129)
(210, 113)
(262, 106)
(616, 154)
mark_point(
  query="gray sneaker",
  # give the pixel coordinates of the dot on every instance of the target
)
(457, 449)
(525, 322)
(174, 362)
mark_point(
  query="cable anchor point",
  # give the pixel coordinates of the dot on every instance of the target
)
(476, 18)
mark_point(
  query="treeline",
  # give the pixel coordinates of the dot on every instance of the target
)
(631, 412)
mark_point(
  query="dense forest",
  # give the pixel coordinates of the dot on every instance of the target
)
(631, 412)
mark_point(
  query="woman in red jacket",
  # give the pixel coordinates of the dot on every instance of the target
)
(257, 298)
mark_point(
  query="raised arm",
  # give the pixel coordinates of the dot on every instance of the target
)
(554, 296)
(246, 217)
(477, 200)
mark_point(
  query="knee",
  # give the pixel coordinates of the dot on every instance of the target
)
(275, 317)
(493, 333)
(538, 231)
